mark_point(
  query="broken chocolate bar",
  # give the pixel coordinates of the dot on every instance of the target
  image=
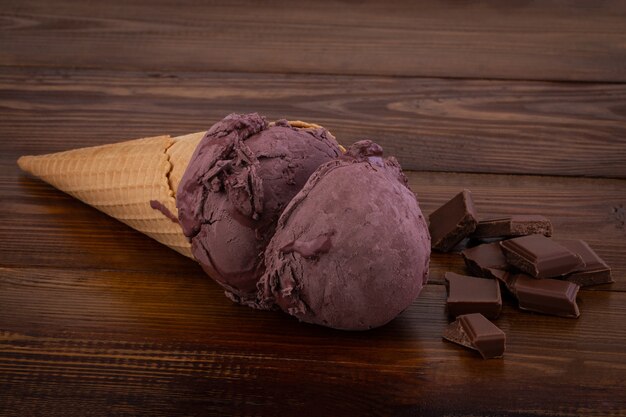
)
(595, 271)
(474, 331)
(548, 296)
(540, 256)
(481, 260)
(517, 225)
(473, 295)
(453, 222)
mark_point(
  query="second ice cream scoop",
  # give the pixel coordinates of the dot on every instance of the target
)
(352, 249)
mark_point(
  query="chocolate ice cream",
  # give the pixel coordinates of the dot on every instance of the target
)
(241, 176)
(351, 250)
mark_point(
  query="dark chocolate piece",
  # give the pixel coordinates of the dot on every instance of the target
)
(473, 295)
(517, 225)
(474, 331)
(453, 222)
(481, 260)
(499, 274)
(548, 296)
(595, 272)
(540, 256)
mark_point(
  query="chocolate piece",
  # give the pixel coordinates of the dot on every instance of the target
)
(595, 272)
(482, 260)
(499, 274)
(548, 296)
(474, 331)
(473, 295)
(540, 256)
(453, 222)
(517, 225)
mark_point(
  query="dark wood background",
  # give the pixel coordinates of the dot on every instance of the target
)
(523, 102)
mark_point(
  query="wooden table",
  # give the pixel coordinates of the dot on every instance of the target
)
(522, 102)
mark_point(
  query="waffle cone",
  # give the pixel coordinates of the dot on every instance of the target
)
(122, 179)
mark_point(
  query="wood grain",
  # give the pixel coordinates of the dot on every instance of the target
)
(170, 344)
(548, 40)
(430, 124)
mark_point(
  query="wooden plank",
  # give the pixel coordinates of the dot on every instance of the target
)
(430, 124)
(40, 226)
(577, 40)
(75, 340)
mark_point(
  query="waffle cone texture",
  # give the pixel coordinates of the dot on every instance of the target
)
(122, 180)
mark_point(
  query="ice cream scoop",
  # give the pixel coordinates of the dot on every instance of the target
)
(351, 250)
(241, 176)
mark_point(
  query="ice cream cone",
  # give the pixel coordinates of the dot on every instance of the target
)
(122, 180)
(134, 181)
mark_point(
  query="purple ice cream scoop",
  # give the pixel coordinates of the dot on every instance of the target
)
(351, 250)
(241, 176)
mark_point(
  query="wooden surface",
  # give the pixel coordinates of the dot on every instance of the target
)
(96, 319)
(519, 39)
(431, 124)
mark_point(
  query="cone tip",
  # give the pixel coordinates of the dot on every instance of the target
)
(23, 162)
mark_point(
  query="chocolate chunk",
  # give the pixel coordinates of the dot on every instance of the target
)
(540, 256)
(499, 274)
(595, 271)
(474, 331)
(481, 260)
(473, 295)
(453, 222)
(548, 296)
(517, 225)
